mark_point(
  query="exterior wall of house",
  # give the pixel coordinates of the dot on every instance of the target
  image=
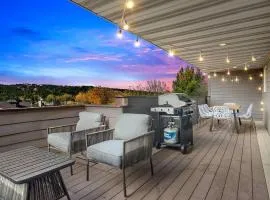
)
(266, 96)
(243, 92)
(28, 126)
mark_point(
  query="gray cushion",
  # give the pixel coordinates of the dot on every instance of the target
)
(109, 152)
(88, 120)
(60, 140)
(131, 125)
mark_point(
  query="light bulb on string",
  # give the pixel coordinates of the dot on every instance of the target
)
(253, 59)
(262, 103)
(137, 42)
(223, 79)
(227, 59)
(126, 26)
(215, 74)
(119, 33)
(129, 4)
(262, 109)
(201, 57)
(228, 72)
(209, 76)
(250, 78)
(171, 53)
(245, 68)
(261, 74)
(260, 88)
(236, 79)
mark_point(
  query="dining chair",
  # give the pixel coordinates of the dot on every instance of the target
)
(248, 116)
(204, 113)
(221, 113)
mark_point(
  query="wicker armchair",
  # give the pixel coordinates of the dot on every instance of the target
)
(71, 138)
(130, 142)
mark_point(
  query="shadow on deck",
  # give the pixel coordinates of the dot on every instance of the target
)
(222, 165)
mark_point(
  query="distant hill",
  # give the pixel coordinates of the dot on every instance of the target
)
(27, 91)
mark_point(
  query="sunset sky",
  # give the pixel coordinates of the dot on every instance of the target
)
(58, 42)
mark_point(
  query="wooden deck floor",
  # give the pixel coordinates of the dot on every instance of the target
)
(221, 166)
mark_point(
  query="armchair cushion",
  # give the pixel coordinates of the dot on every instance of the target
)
(60, 141)
(130, 126)
(89, 120)
(109, 152)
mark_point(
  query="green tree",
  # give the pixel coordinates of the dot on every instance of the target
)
(50, 98)
(189, 81)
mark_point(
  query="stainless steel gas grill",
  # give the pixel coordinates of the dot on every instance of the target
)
(174, 121)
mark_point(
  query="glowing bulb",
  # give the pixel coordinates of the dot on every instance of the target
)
(236, 79)
(262, 103)
(262, 109)
(137, 43)
(209, 76)
(200, 57)
(126, 26)
(119, 34)
(250, 78)
(171, 53)
(130, 4)
(227, 60)
(253, 59)
(228, 72)
(223, 79)
(245, 68)
(260, 88)
(215, 74)
(261, 74)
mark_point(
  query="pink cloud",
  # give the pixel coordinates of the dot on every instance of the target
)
(98, 57)
(129, 84)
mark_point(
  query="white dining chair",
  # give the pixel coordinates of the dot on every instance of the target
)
(248, 116)
(221, 113)
(204, 113)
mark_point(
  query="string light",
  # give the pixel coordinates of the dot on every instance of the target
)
(260, 88)
(262, 103)
(119, 33)
(262, 109)
(250, 78)
(223, 79)
(129, 4)
(245, 68)
(215, 74)
(236, 79)
(227, 59)
(228, 72)
(253, 59)
(126, 26)
(171, 53)
(137, 42)
(261, 74)
(209, 76)
(200, 57)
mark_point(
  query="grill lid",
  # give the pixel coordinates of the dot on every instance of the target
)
(174, 99)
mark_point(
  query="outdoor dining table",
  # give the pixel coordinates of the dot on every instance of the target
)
(30, 173)
(235, 108)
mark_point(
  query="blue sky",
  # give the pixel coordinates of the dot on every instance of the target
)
(58, 42)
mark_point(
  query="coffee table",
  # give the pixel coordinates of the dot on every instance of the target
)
(31, 173)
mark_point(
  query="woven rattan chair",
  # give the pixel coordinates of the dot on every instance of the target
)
(130, 142)
(70, 139)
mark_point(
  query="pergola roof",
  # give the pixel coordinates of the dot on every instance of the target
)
(191, 26)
